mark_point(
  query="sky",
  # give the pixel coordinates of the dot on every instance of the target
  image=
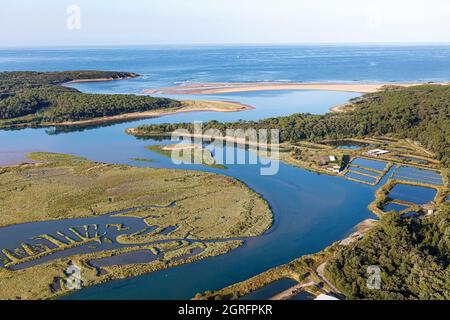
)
(166, 22)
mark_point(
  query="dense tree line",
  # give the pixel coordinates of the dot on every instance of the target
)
(31, 78)
(40, 97)
(421, 113)
(413, 257)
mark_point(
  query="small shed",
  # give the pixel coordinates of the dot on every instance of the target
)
(376, 153)
(336, 169)
(429, 208)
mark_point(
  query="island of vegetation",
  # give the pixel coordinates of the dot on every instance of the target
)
(41, 99)
(188, 154)
(62, 210)
(406, 132)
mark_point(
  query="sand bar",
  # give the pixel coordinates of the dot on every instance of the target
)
(183, 146)
(224, 87)
(187, 106)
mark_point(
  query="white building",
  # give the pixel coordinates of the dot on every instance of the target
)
(429, 208)
(376, 153)
(325, 297)
(335, 169)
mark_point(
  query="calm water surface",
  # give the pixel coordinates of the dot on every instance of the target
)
(304, 222)
(311, 211)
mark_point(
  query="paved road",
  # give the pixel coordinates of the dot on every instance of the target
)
(320, 271)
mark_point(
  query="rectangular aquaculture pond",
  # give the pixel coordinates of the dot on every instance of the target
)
(414, 194)
(390, 206)
(410, 215)
(360, 177)
(347, 144)
(371, 164)
(303, 296)
(271, 290)
(360, 170)
(419, 175)
(412, 159)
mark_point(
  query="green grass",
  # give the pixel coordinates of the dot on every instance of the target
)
(190, 153)
(208, 206)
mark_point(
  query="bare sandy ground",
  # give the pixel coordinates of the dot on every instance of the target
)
(183, 146)
(187, 106)
(359, 231)
(341, 108)
(223, 87)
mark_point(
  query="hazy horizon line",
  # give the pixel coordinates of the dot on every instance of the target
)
(274, 44)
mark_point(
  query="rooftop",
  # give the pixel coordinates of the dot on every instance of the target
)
(325, 297)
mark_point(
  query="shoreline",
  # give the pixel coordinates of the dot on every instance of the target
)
(187, 106)
(240, 141)
(294, 269)
(171, 256)
(132, 76)
(228, 87)
(341, 108)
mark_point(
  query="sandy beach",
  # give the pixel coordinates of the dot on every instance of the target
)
(341, 108)
(187, 106)
(183, 146)
(217, 88)
(359, 231)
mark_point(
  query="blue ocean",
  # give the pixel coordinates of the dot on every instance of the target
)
(161, 66)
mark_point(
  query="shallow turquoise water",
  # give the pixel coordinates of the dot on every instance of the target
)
(276, 103)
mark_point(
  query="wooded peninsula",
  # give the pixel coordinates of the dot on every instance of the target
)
(414, 253)
(420, 113)
(39, 98)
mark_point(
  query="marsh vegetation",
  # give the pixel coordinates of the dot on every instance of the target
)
(181, 216)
